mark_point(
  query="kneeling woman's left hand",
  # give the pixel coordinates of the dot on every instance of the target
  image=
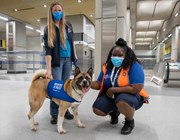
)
(110, 92)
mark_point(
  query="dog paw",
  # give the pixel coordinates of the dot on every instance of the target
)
(34, 129)
(36, 123)
(81, 125)
(62, 131)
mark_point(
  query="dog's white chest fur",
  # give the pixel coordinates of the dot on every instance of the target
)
(77, 95)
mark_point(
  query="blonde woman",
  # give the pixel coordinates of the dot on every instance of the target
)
(60, 51)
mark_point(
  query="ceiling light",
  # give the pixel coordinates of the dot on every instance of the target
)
(79, 1)
(38, 20)
(170, 35)
(164, 40)
(44, 6)
(15, 10)
(176, 14)
(91, 15)
(4, 18)
(164, 29)
(29, 27)
(38, 31)
(155, 48)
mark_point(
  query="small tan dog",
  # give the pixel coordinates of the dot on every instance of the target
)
(74, 88)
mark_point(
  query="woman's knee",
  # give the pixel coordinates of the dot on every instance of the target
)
(98, 112)
(123, 106)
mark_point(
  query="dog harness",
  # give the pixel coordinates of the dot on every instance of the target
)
(56, 90)
(123, 80)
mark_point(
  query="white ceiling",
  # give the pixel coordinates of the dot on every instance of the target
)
(29, 11)
(149, 18)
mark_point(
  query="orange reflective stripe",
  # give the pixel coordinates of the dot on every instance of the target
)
(104, 72)
(123, 79)
(144, 93)
(104, 68)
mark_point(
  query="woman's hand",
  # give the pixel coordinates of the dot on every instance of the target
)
(48, 74)
(110, 92)
(95, 85)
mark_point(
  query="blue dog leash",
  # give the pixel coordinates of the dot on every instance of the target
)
(75, 63)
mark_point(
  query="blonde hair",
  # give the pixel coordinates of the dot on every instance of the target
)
(51, 27)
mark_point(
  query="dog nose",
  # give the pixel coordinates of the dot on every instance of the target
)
(84, 82)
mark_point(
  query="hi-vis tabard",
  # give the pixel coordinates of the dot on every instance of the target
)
(123, 80)
(56, 90)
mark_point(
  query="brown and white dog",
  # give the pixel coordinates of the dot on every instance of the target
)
(75, 88)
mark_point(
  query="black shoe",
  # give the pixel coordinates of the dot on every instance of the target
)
(53, 120)
(68, 115)
(128, 127)
(114, 117)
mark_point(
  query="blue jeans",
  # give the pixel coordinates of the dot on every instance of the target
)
(60, 73)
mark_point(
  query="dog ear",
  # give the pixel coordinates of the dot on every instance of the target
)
(77, 71)
(90, 71)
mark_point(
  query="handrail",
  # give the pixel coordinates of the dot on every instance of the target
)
(167, 73)
(17, 60)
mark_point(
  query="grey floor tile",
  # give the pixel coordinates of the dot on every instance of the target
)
(158, 120)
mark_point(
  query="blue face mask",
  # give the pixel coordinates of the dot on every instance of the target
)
(117, 61)
(57, 15)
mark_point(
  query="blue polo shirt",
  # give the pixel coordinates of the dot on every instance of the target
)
(136, 76)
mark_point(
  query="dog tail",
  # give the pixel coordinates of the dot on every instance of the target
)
(38, 74)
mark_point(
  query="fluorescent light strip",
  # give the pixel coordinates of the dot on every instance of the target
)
(38, 31)
(3, 18)
(31, 28)
(169, 35)
(155, 48)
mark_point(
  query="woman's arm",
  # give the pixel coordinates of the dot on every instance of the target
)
(48, 66)
(48, 51)
(132, 89)
(75, 55)
(96, 85)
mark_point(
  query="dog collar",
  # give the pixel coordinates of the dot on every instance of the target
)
(74, 89)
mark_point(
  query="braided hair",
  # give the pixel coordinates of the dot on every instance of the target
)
(130, 57)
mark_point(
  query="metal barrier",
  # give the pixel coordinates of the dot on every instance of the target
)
(159, 73)
(21, 61)
(30, 61)
(174, 72)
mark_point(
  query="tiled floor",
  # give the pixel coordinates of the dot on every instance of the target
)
(159, 120)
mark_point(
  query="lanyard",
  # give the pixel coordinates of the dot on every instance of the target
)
(113, 80)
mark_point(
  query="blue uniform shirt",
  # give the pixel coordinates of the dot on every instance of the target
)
(136, 76)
